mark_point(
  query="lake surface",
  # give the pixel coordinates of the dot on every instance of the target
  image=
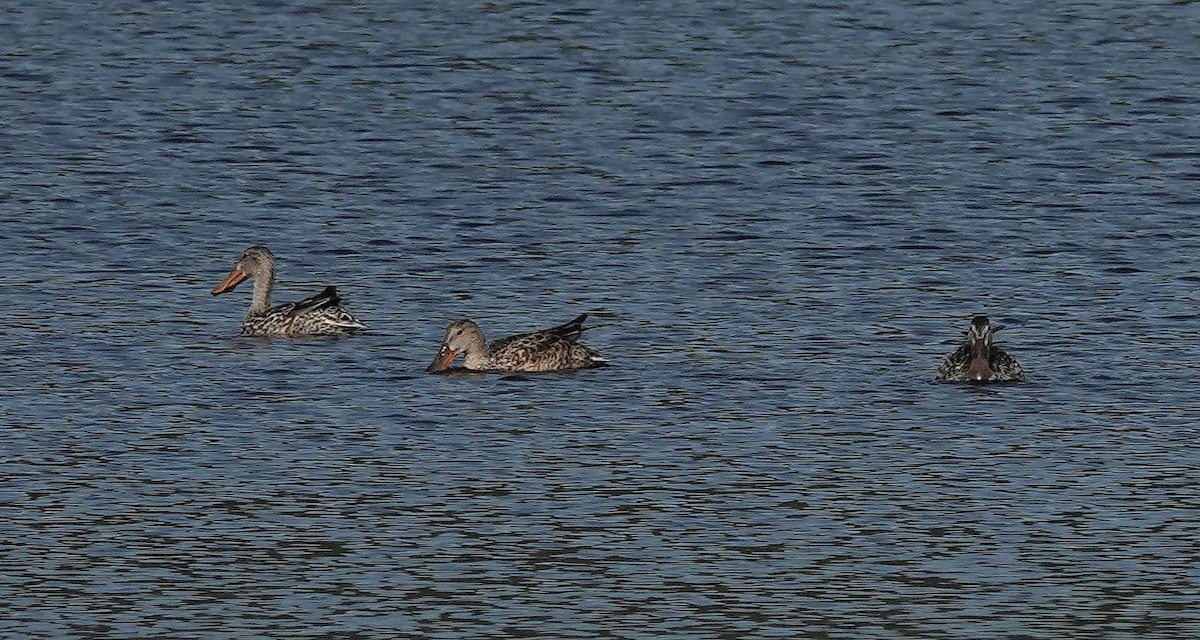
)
(780, 218)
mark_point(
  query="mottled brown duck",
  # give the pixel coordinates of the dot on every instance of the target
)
(979, 360)
(554, 349)
(320, 315)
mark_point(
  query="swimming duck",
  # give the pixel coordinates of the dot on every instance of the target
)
(320, 315)
(979, 360)
(552, 349)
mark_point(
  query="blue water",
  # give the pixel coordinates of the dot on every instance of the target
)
(780, 216)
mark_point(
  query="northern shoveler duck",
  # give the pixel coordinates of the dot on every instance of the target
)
(554, 349)
(979, 360)
(320, 315)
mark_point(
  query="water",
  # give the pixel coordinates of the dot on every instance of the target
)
(783, 217)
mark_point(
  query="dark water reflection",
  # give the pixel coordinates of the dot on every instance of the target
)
(784, 216)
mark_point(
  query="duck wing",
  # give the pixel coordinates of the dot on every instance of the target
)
(570, 331)
(1004, 366)
(529, 342)
(327, 298)
(956, 365)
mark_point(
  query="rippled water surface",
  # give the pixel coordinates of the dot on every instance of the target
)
(780, 218)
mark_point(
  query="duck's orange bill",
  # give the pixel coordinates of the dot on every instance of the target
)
(236, 277)
(444, 359)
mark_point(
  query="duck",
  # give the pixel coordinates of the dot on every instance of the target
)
(319, 315)
(979, 360)
(554, 349)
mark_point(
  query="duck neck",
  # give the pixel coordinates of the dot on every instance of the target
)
(477, 355)
(981, 348)
(263, 283)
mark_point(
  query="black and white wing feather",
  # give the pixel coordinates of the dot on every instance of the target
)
(1005, 367)
(954, 369)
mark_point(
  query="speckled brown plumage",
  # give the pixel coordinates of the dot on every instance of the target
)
(979, 360)
(554, 349)
(319, 315)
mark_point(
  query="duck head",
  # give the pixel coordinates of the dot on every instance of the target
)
(256, 262)
(462, 336)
